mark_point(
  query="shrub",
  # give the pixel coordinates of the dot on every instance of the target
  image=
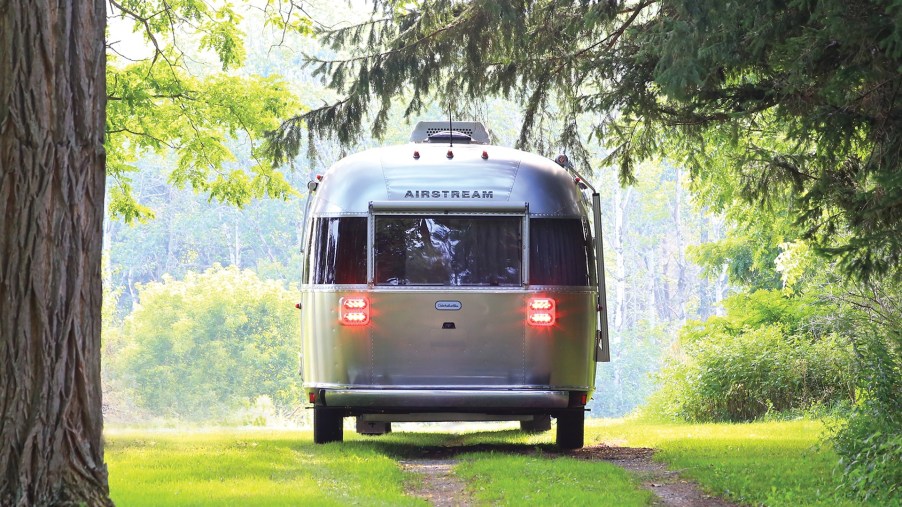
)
(869, 442)
(726, 377)
(212, 343)
(769, 353)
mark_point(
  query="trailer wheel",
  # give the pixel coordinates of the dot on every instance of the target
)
(328, 425)
(570, 430)
(538, 424)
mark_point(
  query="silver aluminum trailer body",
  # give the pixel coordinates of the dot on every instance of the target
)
(450, 283)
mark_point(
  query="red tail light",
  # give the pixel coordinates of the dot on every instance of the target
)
(354, 311)
(540, 312)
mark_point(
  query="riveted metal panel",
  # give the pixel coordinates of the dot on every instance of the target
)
(408, 344)
(460, 340)
(393, 174)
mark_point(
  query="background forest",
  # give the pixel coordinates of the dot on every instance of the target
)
(164, 266)
(721, 308)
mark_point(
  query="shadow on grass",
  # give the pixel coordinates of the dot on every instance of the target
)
(449, 445)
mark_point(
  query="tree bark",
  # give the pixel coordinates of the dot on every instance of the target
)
(681, 289)
(621, 203)
(52, 115)
(705, 301)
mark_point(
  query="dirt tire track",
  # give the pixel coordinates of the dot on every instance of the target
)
(438, 485)
(441, 487)
(667, 485)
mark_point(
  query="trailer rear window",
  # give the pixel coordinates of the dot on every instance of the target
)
(448, 251)
(338, 250)
(560, 252)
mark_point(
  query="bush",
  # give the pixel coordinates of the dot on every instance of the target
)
(869, 442)
(769, 353)
(741, 377)
(210, 344)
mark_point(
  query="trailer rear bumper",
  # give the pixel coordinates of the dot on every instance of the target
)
(445, 399)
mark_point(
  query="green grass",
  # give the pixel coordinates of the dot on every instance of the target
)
(249, 468)
(513, 468)
(769, 463)
(237, 467)
(499, 479)
(773, 463)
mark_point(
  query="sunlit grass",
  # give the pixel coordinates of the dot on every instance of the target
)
(500, 479)
(769, 463)
(249, 468)
(773, 463)
(509, 467)
(252, 467)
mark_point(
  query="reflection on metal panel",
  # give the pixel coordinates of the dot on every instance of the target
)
(408, 345)
(472, 179)
(412, 347)
(448, 399)
(565, 351)
(393, 174)
(420, 207)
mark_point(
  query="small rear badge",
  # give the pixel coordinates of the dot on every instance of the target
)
(448, 305)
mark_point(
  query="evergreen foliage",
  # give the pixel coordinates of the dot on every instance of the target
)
(798, 98)
(848, 327)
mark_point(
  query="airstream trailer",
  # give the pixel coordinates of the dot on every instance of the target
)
(451, 280)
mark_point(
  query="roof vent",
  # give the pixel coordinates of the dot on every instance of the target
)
(460, 131)
(450, 135)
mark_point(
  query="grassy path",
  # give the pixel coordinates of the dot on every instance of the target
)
(249, 468)
(435, 481)
(771, 464)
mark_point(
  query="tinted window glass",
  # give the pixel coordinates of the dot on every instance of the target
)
(338, 250)
(439, 250)
(559, 252)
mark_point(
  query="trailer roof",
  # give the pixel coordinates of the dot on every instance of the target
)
(426, 173)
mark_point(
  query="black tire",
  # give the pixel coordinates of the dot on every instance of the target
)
(539, 424)
(328, 425)
(570, 429)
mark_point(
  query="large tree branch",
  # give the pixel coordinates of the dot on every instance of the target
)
(144, 21)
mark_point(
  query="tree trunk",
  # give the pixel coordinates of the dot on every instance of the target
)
(621, 202)
(681, 289)
(651, 267)
(236, 241)
(52, 102)
(705, 307)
